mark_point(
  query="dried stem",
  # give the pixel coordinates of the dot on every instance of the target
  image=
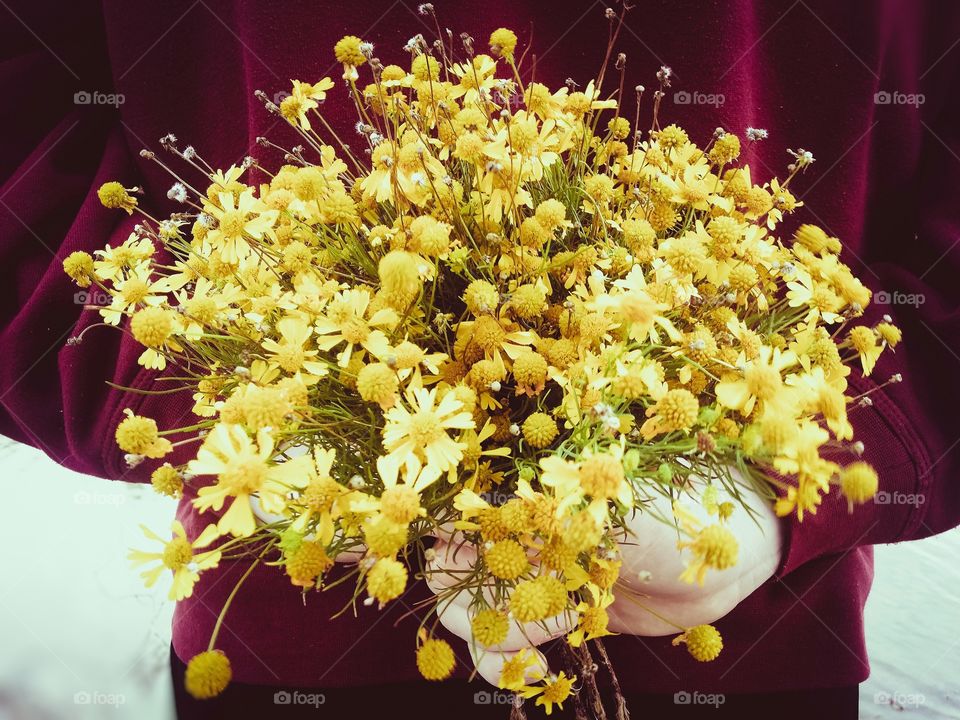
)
(573, 668)
(589, 672)
(516, 708)
(622, 712)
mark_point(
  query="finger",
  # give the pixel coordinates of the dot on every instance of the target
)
(449, 565)
(445, 532)
(457, 620)
(489, 662)
(351, 556)
(521, 635)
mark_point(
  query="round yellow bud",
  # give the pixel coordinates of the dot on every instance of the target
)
(347, 51)
(307, 562)
(208, 674)
(703, 642)
(399, 278)
(481, 297)
(377, 383)
(539, 430)
(79, 266)
(507, 560)
(386, 579)
(435, 659)
(858, 482)
(490, 627)
(167, 481)
(113, 195)
(503, 42)
(152, 326)
(528, 302)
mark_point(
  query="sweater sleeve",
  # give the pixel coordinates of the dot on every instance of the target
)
(910, 432)
(56, 394)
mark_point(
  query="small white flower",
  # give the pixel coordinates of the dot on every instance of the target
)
(177, 192)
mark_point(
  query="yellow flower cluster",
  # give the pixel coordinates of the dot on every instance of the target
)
(503, 307)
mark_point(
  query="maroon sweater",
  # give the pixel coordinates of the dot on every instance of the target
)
(886, 183)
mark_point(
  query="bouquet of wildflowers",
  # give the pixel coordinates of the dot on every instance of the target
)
(503, 311)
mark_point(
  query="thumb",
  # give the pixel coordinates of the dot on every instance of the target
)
(445, 532)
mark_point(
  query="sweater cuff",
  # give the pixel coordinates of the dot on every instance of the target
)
(889, 447)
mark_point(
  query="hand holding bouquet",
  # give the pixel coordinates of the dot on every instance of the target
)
(507, 316)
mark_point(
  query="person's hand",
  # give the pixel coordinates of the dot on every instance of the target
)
(651, 599)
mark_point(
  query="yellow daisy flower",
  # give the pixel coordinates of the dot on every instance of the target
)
(179, 556)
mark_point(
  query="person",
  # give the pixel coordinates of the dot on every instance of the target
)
(869, 86)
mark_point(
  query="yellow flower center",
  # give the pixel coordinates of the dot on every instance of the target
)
(135, 290)
(231, 224)
(244, 475)
(425, 428)
(400, 503)
(177, 553)
(290, 357)
(201, 309)
(601, 476)
(320, 494)
(717, 546)
(763, 381)
(355, 330)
